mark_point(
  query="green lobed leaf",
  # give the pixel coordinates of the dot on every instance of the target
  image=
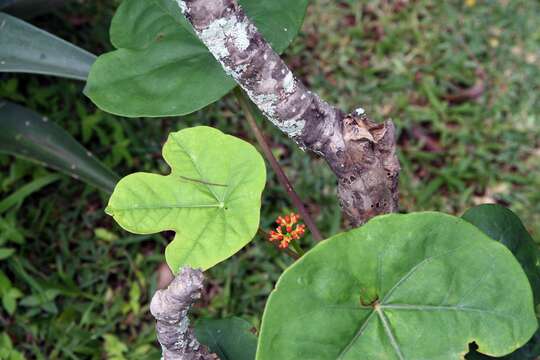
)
(162, 69)
(211, 198)
(440, 284)
(28, 49)
(25, 134)
(230, 339)
(502, 225)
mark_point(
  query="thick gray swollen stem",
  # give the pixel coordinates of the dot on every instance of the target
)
(170, 308)
(360, 152)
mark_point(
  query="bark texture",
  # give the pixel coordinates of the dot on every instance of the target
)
(170, 308)
(360, 152)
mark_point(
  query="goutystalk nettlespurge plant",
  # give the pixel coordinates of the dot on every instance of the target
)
(373, 292)
(416, 286)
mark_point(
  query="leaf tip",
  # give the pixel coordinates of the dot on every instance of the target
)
(109, 210)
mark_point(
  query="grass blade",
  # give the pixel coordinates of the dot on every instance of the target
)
(18, 196)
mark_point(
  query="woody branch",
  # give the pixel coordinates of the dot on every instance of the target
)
(170, 308)
(360, 152)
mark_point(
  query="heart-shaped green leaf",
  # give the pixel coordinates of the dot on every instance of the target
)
(162, 69)
(502, 225)
(211, 198)
(418, 286)
(230, 339)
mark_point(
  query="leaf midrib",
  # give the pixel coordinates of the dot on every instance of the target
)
(165, 207)
(388, 330)
(378, 309)
(183, 148)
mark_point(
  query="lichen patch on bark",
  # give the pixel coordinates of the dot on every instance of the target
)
(182, 5)
(220, 33)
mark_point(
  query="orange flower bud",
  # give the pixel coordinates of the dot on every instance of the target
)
(286, 231)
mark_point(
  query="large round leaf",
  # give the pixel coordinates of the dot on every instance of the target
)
(502, 225)
(211, 198)
(162, 69)
(418, 286)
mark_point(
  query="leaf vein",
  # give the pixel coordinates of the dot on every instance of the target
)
(183, 148)
(356, 336)
(416, 268)
(413, 307)
(389, 333)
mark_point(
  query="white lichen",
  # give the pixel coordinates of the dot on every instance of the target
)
(293, 127)
(288, 83)
(266, 103)
(225, 31)
(236, 72)
(360, 111)
(182, 5)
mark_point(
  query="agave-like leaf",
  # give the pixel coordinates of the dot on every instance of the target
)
(26, 134)
(28, 49)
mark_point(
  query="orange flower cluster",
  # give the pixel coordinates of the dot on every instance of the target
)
(286, 231)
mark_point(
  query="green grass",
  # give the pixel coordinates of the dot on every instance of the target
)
(83, 294)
